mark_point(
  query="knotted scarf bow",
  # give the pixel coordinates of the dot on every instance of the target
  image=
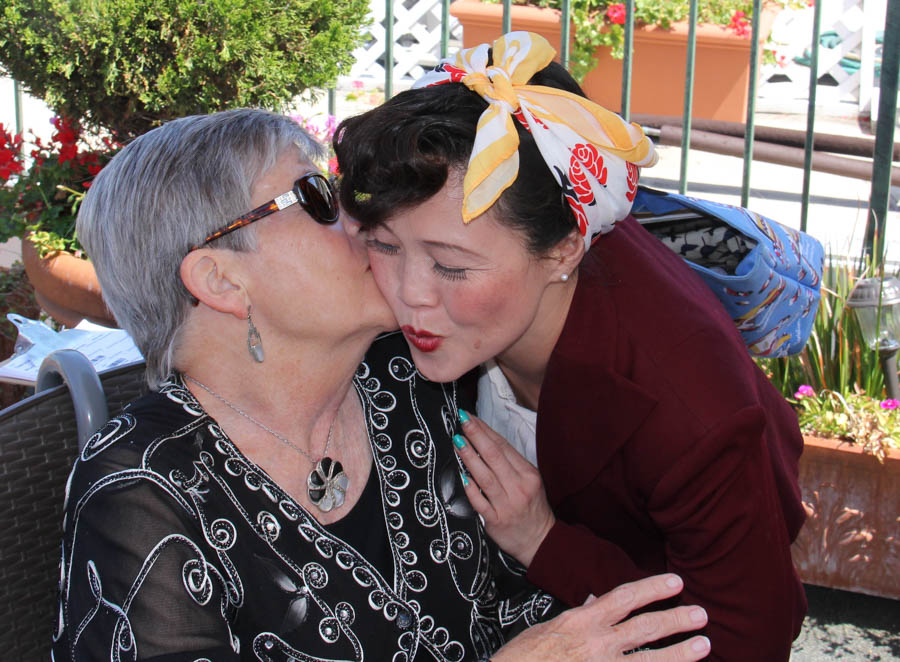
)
(593, 153)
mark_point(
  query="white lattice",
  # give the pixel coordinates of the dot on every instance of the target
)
(417, 40)
(855, 23)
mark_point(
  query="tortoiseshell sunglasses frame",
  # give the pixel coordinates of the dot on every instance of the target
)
(296, 195)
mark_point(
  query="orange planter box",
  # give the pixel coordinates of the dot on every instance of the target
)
(722, 61)
(66, 287)
(851, 539)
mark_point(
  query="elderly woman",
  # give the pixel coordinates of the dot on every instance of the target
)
(281, 494)
(497, 199)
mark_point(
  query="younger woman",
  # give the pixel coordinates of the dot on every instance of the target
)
(616, 372)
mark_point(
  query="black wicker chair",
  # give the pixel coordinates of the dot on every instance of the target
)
(38, 444)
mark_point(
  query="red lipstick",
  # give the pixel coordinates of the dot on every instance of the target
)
(423, 341)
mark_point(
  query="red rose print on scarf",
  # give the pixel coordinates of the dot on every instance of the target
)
(578, 212)
(580, 184)
(577, 192)
(519, 115)
(632, 181)
(456, 73)
(590, 159)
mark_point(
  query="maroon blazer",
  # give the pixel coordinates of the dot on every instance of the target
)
(664, 448)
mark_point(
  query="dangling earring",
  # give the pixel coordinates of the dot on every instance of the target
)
(254, 341)
(564, 278)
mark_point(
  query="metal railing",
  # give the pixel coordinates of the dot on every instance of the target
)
(874, 242)
(887, 112)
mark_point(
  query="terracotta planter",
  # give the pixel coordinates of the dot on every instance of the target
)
(66, 287)
(851, 540)
(722, 69)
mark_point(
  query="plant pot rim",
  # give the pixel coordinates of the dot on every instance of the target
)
(822, 445)
(527, 17)
(67, 285)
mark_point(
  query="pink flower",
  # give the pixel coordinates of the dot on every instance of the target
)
(357, 84)
(616, 13)
(890, 403)
(805, 390)
(330, 125)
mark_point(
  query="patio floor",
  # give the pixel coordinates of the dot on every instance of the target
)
(848, 626)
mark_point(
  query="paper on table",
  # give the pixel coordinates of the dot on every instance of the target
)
(105, 348)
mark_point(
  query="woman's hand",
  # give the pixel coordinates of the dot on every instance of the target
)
(505, 489)
(595, 632)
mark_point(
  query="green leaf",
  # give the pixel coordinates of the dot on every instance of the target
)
(125, 66)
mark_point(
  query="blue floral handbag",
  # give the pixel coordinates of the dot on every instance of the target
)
(765, 274)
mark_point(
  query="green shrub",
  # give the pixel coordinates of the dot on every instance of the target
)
(128, 65)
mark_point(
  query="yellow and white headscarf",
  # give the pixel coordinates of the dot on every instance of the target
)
(593, 153)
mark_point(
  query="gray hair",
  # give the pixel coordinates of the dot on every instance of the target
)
(164, 193)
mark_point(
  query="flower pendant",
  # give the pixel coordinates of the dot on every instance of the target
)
(327, 484)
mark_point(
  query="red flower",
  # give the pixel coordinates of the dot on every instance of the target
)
(9, 155)
(616, 13)
(67, 152)
(94, 169)
(739, 24)
(9, 158)
(332, 166)
(66, 131)
(633, 174)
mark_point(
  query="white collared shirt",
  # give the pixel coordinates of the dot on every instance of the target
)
(497, 407)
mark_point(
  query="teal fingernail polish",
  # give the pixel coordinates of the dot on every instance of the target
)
(463, 416)
(464, 479)
(458, 441)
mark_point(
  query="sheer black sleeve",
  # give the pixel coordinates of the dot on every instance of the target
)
(137, 581)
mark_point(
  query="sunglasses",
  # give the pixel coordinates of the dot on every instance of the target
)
(312, 191)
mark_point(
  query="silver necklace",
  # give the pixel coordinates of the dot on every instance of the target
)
(326, 484)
